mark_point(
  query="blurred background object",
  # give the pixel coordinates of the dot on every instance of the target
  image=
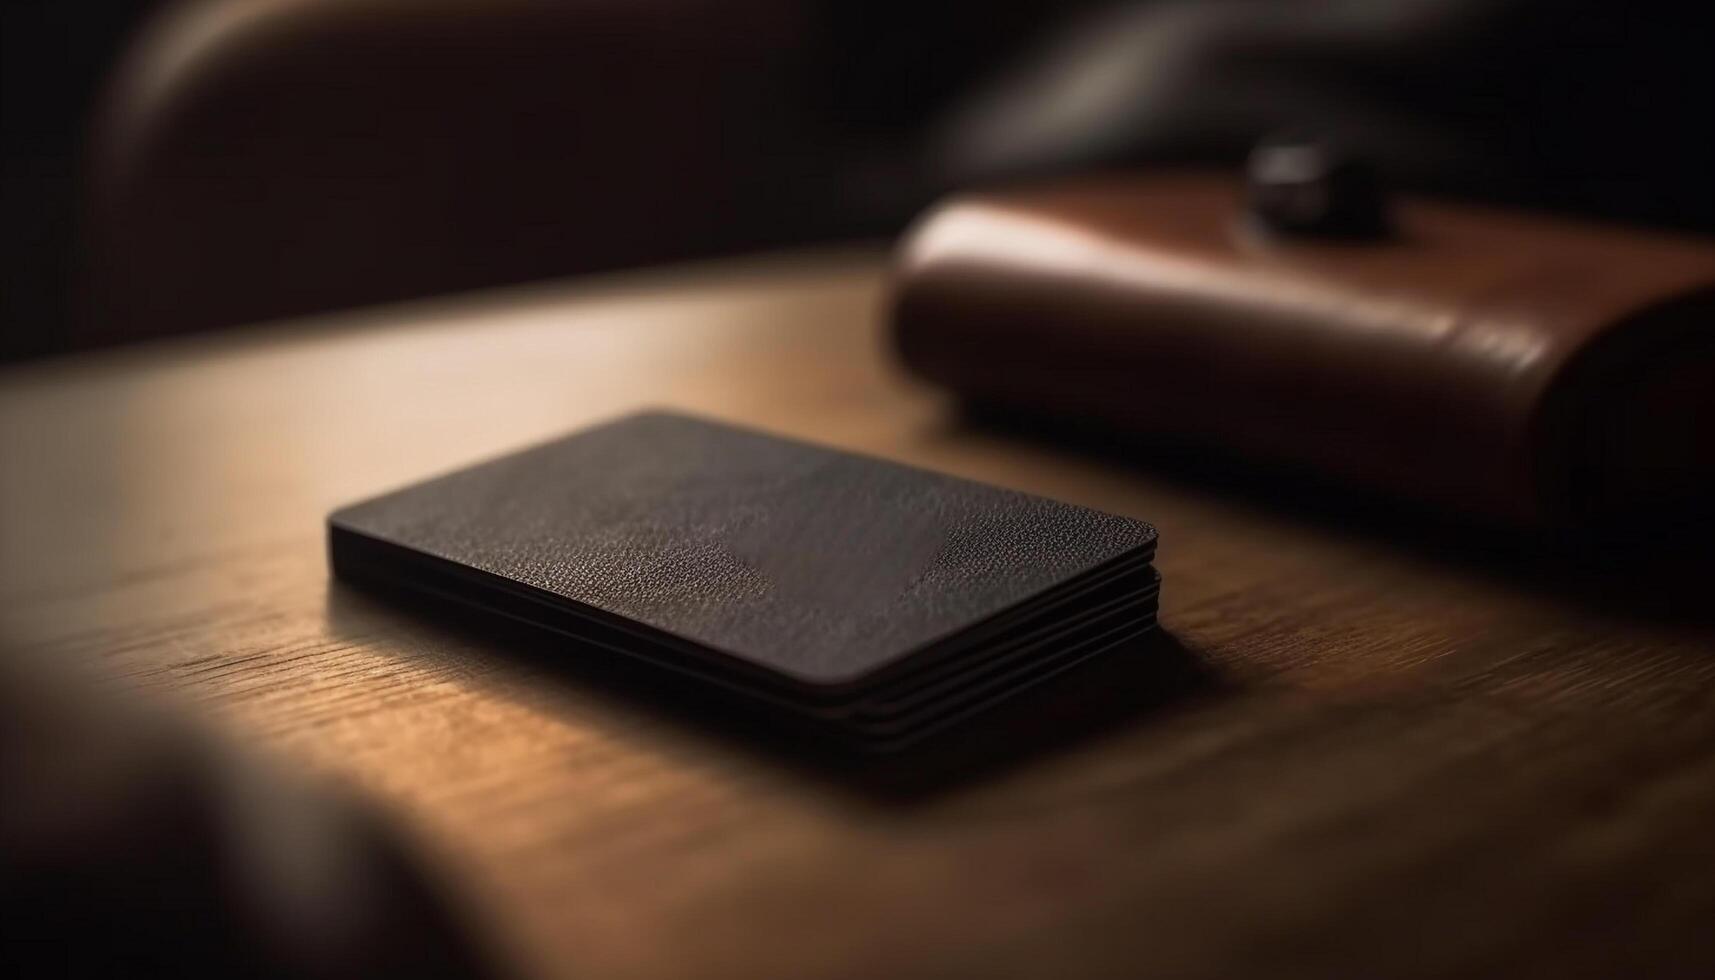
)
(250, 159)
(1526, 370)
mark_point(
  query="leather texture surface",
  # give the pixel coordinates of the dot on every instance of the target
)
(814, 563)
(1527, 369)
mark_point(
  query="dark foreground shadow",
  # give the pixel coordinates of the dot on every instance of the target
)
(1626, 564)
(1116, 690)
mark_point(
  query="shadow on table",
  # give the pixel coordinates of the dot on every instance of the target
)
(1651, 573)
(1123, 688)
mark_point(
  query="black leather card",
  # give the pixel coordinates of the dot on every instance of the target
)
(865, 595)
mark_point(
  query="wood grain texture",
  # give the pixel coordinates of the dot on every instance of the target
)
(1401, 763)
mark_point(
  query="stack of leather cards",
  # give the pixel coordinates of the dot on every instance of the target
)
(873, 601)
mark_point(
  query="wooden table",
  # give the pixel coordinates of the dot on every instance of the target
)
(1404, 763)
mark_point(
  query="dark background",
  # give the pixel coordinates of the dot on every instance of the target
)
(181, 166)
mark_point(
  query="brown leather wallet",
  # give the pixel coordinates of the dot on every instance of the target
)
(1519, 367)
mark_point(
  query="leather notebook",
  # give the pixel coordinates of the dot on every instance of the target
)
(872, 601)
(1526, 370)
